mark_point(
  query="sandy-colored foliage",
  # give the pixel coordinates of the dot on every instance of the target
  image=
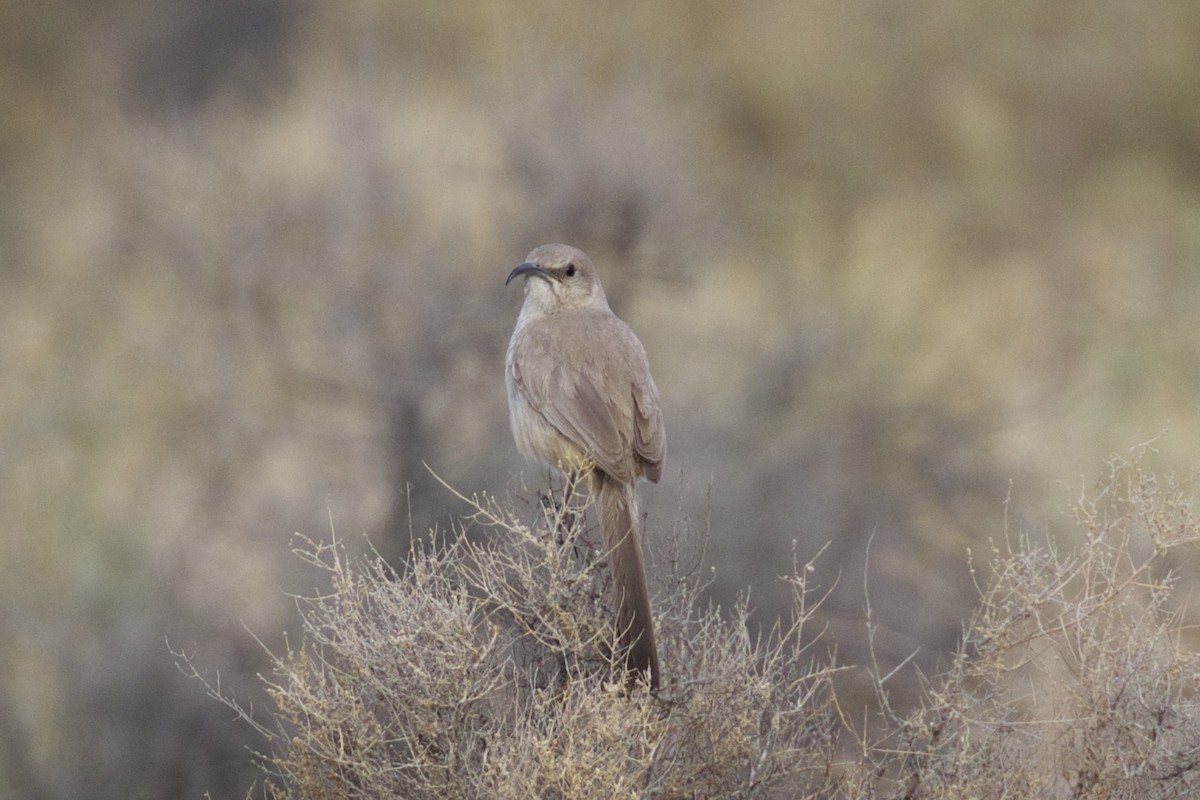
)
(1079, 671)
(483, 669)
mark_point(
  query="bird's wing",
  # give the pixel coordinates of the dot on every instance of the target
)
(591, 382)
(650, 438)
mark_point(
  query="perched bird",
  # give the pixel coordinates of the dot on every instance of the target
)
(581, 399)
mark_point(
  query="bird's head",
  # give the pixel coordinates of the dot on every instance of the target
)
(558, 276)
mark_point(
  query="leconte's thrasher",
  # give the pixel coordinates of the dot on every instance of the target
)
(581, 399)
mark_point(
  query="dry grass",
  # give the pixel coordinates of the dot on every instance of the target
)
(484, 669)
(1078, 674)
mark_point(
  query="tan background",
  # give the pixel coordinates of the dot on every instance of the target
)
(892, 261)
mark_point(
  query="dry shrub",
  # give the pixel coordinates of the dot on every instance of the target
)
(483, 669)
(1077, 676)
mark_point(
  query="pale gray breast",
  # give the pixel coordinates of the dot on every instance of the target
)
(536, 438)
(583, 375)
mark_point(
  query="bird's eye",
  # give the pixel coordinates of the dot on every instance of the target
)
(571, 270)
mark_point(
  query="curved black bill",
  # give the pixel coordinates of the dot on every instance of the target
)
(522, 269)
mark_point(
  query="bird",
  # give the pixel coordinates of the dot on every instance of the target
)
(581, 400)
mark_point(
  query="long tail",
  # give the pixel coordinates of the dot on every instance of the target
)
(617, 504)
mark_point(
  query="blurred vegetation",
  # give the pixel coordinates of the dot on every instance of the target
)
(893, 263)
